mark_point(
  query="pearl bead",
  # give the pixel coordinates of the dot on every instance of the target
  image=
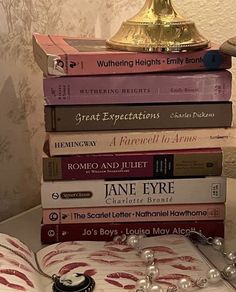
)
(155, 288)
(142, 284)
(185, 284)
(147, 256)
(218, 243)
(213, 276)
(132, 240)
(231, 257)
(229, 272)
(153, 272)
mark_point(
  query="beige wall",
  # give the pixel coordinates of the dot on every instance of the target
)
(21, 111)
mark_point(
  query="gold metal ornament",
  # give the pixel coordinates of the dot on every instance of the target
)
(158, 28)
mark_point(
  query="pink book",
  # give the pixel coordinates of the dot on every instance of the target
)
(151, 213)
(139, 88)
(65, 55)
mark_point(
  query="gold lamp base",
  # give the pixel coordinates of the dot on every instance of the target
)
(158, 28)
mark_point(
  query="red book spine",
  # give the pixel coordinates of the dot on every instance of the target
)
(52, 233)
(165, 164)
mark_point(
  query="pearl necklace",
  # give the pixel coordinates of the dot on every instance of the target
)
(152, 272)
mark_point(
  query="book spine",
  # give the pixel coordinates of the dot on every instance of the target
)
(149, 213)
(134, 165)
(52, 233)
(133, 117)
(47, 62)
(139, 88)
(101, 193)
(120, 62)
(72, 143)
(95, 59)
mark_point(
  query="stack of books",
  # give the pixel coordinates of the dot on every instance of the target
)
(134, 140)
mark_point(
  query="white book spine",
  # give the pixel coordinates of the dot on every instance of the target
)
(102, 193)
(127, 141)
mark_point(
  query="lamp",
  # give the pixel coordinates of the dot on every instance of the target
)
(158, 28)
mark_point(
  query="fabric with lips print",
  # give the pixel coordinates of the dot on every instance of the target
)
(114, 267)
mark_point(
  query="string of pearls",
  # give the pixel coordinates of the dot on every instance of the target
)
(229, 271)
(152, 272)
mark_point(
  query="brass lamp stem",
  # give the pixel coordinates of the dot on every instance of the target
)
(160, 7)
(158, 27)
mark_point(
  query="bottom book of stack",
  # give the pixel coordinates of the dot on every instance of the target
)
(52, 233)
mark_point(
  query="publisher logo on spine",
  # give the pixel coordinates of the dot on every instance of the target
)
(216, 190)
(53, 216)
(76, 195)
(212, 60)
(51, 233)
(55, 196)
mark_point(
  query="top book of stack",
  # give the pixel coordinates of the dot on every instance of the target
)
(64, 55)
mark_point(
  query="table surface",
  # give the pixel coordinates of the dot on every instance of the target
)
(26, 226)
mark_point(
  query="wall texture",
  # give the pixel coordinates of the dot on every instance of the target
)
(21, 113)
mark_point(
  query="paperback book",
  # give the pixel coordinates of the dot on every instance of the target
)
(137, 117)
(150, 213)
(52, 233)
(112, 266)
(158, 164)
(66, 55)
(108, 193)
(203, 86)
(72, 143)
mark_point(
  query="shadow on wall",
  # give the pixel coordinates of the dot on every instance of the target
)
(19, 186)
